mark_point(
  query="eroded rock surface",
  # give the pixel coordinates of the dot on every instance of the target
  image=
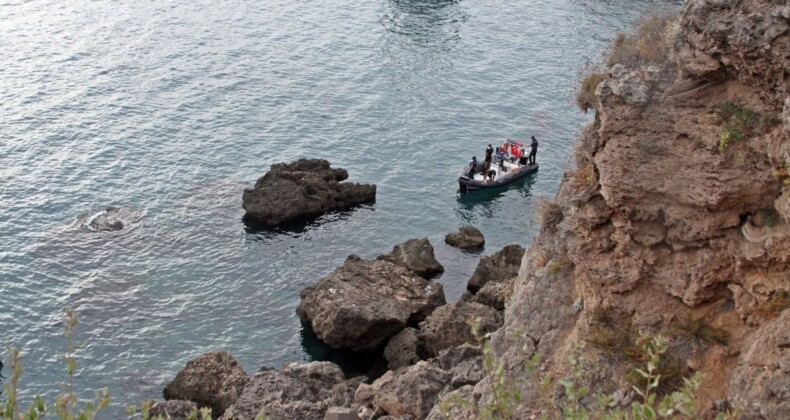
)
(299, 391)
(448, 326)
(404, 349)
(364, 303)
(212, 380)
(416, 255)
(172, 410)
(499, 267)
(467, 237)
(302, 190)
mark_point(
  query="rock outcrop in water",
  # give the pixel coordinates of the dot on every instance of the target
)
(213, 380)
(364, 303)
(416, 255)
(301, 190)
(467, 237)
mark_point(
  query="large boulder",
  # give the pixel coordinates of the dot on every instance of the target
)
(301, 190)
(404, 349)
(467, 237)
(364, 303)
(760, 384)
(448, 326)
(300, 391)
(412, 391)
(416, 255)
(499, 267)
(212, 380)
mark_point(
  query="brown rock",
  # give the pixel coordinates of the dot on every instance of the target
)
(501, 266)
(301, 190)
(404, 349)
(448, 326)
(760, 384)
(467, 237)
(172, 410)
(412, 391)
(213, 380)
(416, 255)
(364, 303)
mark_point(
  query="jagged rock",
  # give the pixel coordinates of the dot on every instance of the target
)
(212, 380)
(341, 413)
(110, 219)
(454, 409)
(455, 356)
(498, 267)
(364, 303)
(300, 391)
(760, 384)
(410, 391)
(467, 237)
(627, 85)
(448, 326)
(302, 190)
(494, 294)
(404, 349)
(172, 410)
(416, 255)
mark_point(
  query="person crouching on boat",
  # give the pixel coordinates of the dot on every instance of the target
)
(489, 175)
(472, 165)
(523, 159)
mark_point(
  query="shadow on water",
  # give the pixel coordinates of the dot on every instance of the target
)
(264, 231)
(353, 363)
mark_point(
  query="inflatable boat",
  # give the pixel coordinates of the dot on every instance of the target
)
(502, 171)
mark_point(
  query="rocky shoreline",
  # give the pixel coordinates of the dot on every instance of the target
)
(387, 302)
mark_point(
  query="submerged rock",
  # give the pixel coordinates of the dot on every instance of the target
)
(416, 255)
(364, 303)
(300, 391)
(499, 267)
(467, 237)
(212, 380)
(110, 219)
(301, 190)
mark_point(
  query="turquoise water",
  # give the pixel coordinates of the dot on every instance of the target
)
(172, 108)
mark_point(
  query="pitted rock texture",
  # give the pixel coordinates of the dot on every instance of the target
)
(416, 255)
(172, 410)
(499, 267)
(299, 391)
(364, 303)
(212, 380)
(404, 349)
(449, 326)
(301, 190)
(467, 237)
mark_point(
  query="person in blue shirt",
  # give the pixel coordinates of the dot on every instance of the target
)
(534, 152)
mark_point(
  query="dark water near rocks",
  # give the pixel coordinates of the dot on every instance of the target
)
(170, 109)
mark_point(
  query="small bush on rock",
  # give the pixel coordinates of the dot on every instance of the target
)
(649, 43)
(739, 122)
(586, 99)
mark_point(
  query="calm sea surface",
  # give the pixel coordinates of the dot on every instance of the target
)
(171, 108)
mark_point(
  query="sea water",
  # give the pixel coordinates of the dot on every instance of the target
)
(169, 109)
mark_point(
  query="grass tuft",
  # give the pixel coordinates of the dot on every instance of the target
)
(649, 43)
(586, 98)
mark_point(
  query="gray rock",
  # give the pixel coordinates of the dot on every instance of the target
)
(412, 391)
(340, 413)
(172, 410)
(364, 303)
(448, 326)
(301, 390)
(416, 255)
(213, 380)
(301, 190)
(404, 349)
(494, 294)
(467, 237)
(499, 267)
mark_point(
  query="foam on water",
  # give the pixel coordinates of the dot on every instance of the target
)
(173, 108)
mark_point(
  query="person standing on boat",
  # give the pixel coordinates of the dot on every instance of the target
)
(487, 160)
(534, 153)
(472, 166)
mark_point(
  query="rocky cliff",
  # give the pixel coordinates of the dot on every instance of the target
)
(675, 220)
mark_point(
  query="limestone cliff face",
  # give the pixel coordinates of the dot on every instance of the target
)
(675, 218)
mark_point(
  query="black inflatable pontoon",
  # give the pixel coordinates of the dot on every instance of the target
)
(505, 171)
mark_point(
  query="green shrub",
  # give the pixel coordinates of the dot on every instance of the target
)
(699, 331)
(739, 123)
(775, 305)
(586, 98)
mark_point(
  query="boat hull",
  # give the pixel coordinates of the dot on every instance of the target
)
(474, 184)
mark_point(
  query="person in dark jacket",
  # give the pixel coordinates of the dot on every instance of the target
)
(534, 152)
(472, 165)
